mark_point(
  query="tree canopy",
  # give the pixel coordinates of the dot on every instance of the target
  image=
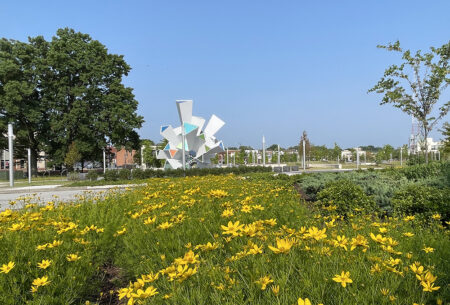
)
(67, 90)
(415, 86)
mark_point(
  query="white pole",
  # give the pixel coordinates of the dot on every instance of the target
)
(182, 145)
(439, 155)
(279, 155)
(401, 156)
(304, 155)
(234, 158)
(11, 161)
(264, 150)
(357, 158)
(142, 156)
(104, 161)
(227, 157)
(29, 165)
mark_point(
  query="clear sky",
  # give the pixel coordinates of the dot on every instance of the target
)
(265, 67)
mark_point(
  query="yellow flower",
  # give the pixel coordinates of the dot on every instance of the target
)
(384, 291)
(343, 278)
(150, 220)
(141, 294)
(436, 216)
(417, 269)
(227, 213)
(429, 286)
(120, 232)
(264, 281)
(306, 301)
(283, 246)
(165, 225)
(6, 268)
(375, 269)
(428, 249)
(232, 229)
(378, 238)
(341, 241)
(43, 281)
(275, 289)
(72, 257)
(316, 234)
(44, 264)
(408, 234)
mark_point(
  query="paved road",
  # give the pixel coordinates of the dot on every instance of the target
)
(42, 194)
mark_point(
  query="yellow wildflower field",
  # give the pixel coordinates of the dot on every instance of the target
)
(217, 240)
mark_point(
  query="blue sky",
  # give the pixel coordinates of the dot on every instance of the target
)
(265, 67)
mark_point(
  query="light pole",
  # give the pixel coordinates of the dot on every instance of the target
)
(11, 162)
(227, 158)
(304, 155)
(29, 165)
(279, 155)
(264, 150)
(401, 156)
(357, 157)
(104, 161)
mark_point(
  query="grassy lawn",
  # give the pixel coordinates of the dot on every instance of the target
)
(218, 240)
(36, 181)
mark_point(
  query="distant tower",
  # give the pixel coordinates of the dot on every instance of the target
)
(414, 138)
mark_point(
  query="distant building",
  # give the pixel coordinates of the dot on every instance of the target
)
(432, 146)
(347, 155)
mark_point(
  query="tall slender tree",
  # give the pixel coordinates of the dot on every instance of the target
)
(415, 86)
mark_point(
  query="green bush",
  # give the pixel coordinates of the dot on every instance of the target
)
(124, 174)
(111, 175)
(422, 200)
(92, 175)
(346, 196)
(74, 176)
(138, 173)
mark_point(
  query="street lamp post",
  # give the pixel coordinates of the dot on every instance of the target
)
(264, 150)
(11, 162)
(29, 165)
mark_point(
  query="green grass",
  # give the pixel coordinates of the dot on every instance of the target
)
(112, 258)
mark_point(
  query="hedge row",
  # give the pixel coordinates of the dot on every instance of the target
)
(126, 174)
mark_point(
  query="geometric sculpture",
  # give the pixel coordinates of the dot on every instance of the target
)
(199, 145)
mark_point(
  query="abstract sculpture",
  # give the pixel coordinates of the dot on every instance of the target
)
(199, 145)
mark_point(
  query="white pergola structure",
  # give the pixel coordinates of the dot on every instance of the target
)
(199, 145)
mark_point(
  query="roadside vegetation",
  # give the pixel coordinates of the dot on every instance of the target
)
(233, 239)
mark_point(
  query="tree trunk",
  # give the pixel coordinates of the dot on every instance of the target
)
(34, 159)
(426, 145)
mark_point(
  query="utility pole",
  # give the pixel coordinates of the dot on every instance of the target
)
(182, 145)
(357, 157)
(401, 156)
(264, 150)
(11, 162)
(304, 155)
(29, 165)
(227, 158)
(142, 156)
(279, 155)
(104, 161)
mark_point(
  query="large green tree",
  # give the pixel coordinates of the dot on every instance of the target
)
(67, 90)
(22, 69)
(415, 86)
(89, 103)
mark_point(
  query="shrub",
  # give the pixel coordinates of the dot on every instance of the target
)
(137, 173)
(73, 176)
(111, 175)
(346, 196)
(422, 200)
(124, 174)
(92, 175)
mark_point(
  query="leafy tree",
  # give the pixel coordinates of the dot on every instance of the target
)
(73, 156)
(304, 137)
(416, 85)
(66, 90)
(336, 152)
(22, 67)
(89, 102)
